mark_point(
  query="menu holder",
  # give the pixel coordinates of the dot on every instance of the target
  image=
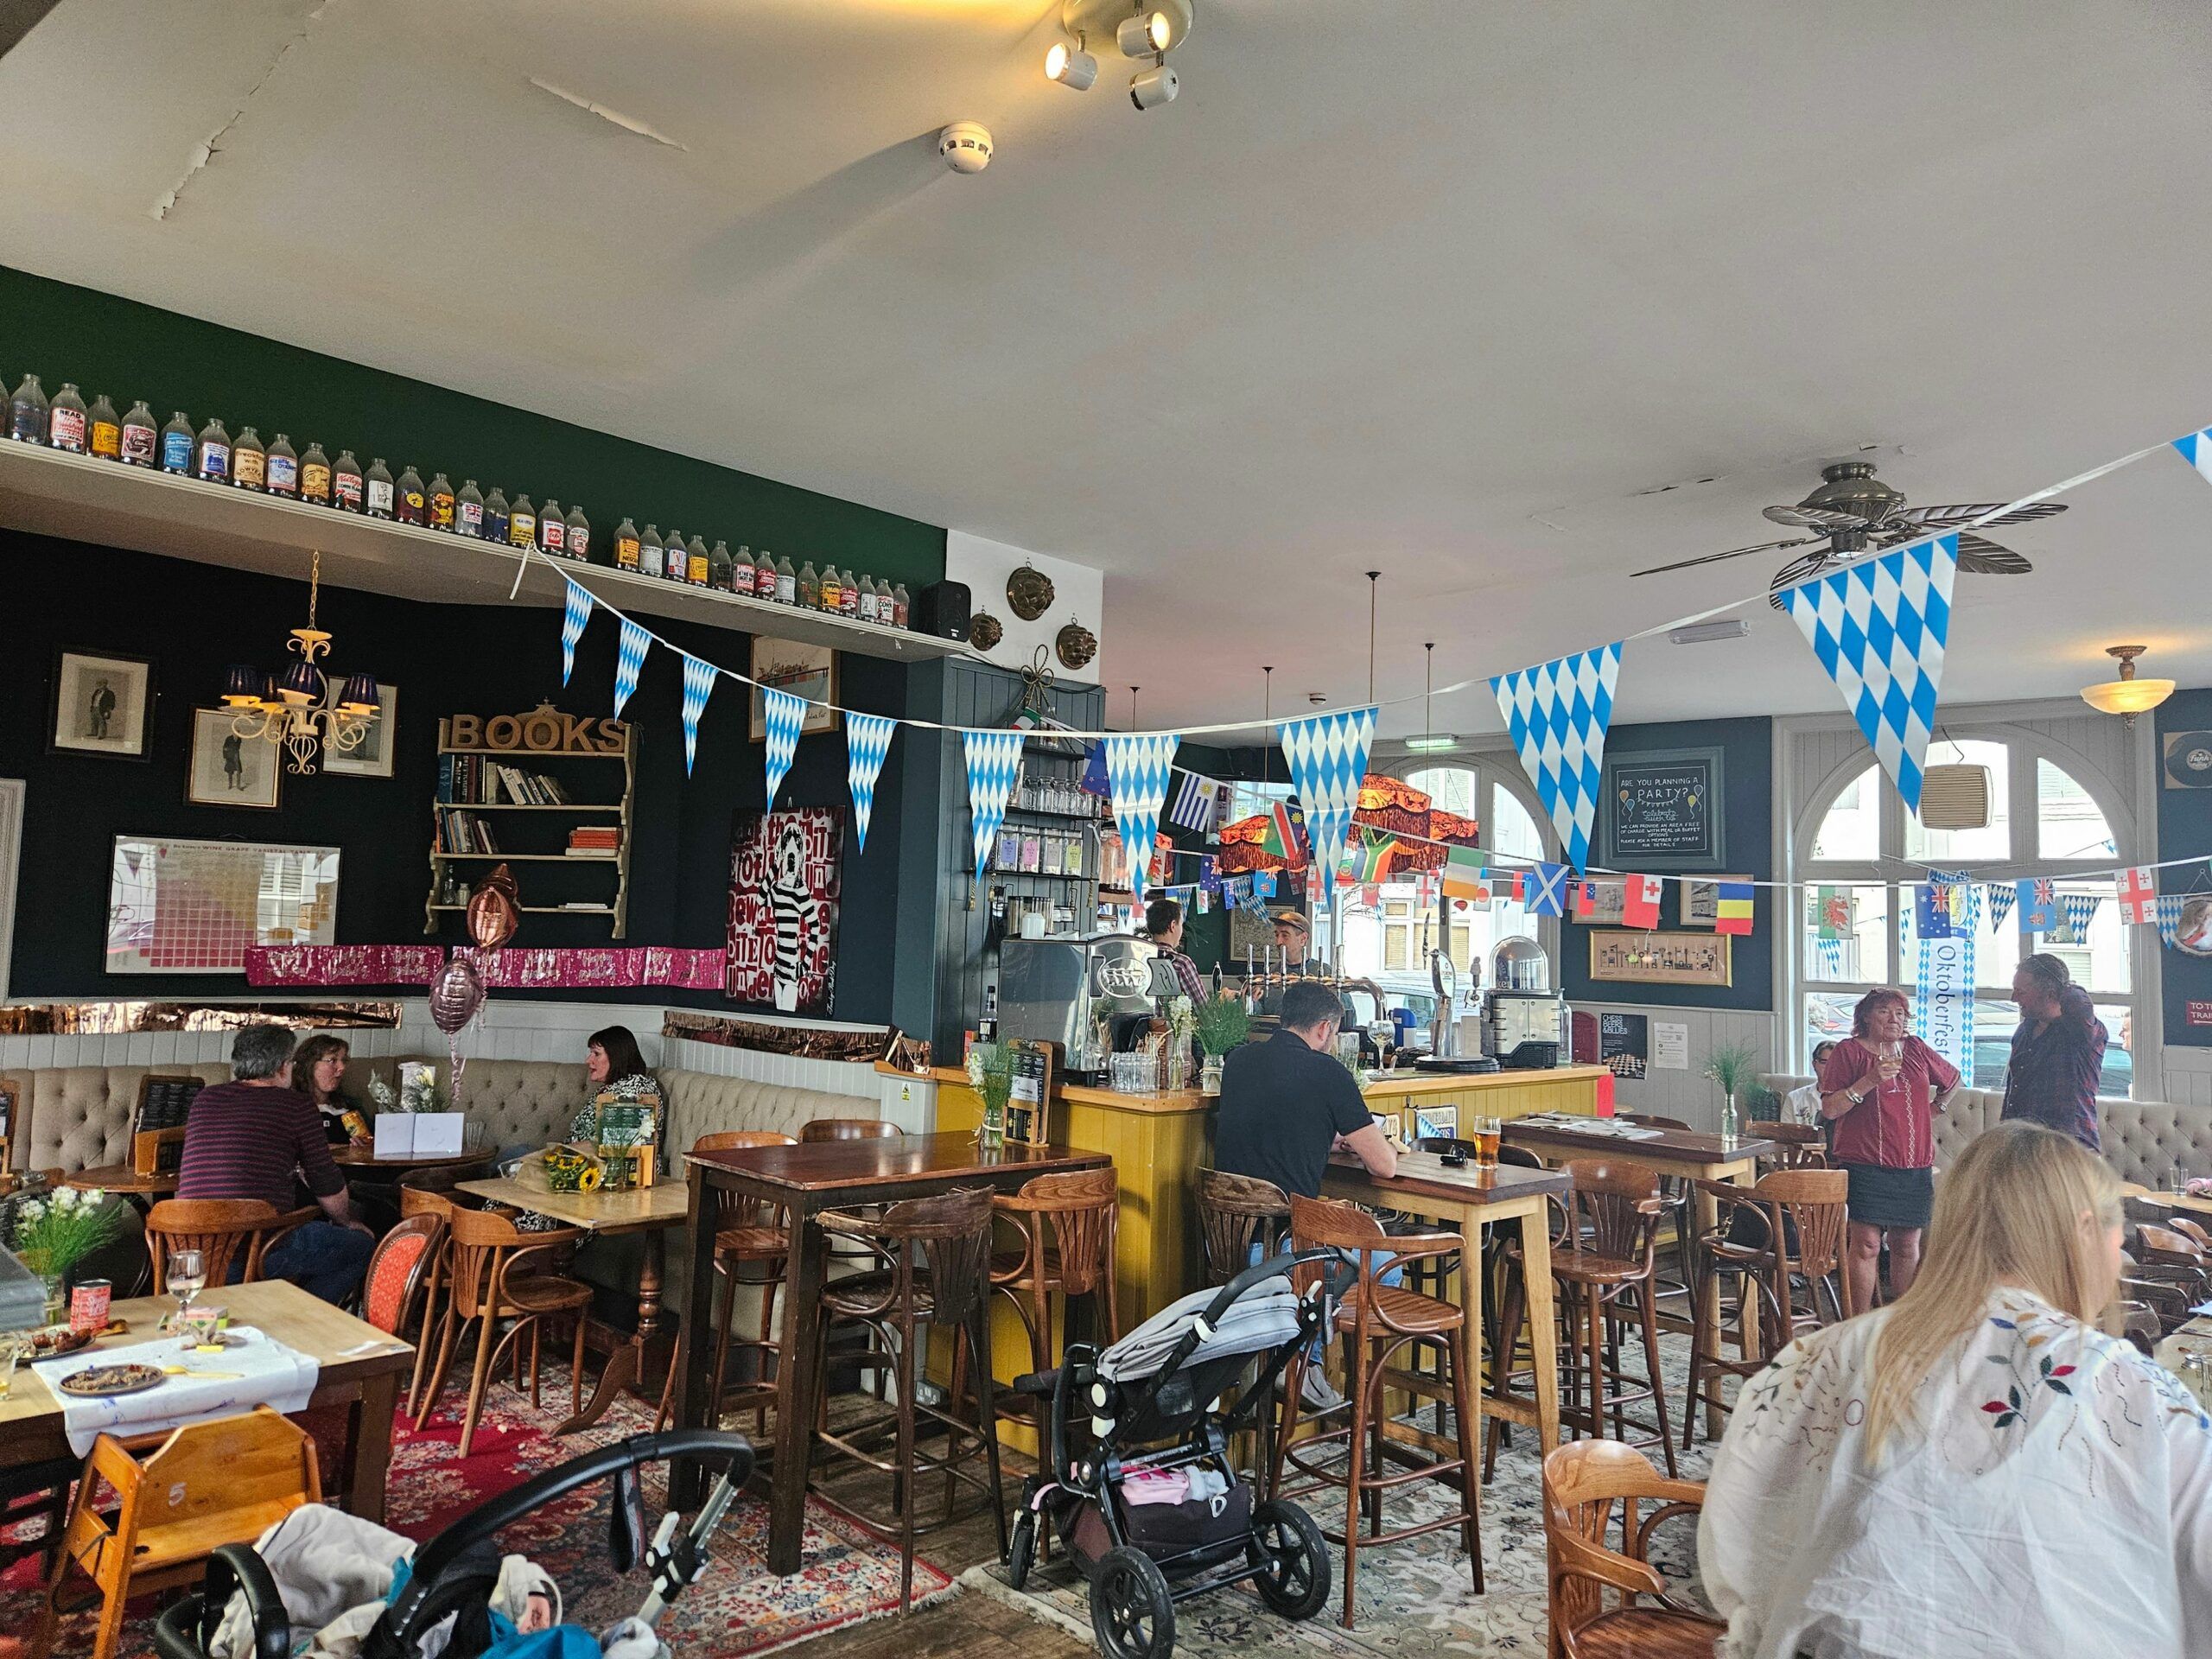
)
(1029, 1100)
(164, 1100)
(419, 1134)
(156, 1152)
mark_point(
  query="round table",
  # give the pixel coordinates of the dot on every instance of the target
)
(123, 1180)
(352, 1157)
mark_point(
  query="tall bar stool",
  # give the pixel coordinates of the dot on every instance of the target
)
(1069, 1224)
(1381, 1321)
(847, 1128)
(1681, 1213)
(748, 1233)
(933, 1257)
(1508, 1370)
(1608, 1275)
(1242, 1220)
(1785, 1232)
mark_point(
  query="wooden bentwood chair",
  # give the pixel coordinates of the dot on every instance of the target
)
(1607, 1275)
(1068, 1226)
(218, 1229)
(1582, 1482)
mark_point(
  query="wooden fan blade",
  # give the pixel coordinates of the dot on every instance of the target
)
(1966, 512)
(1816, 517)
(1733, 553)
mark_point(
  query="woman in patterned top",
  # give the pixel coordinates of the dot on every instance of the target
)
(612, 1064)
(1975, 1469)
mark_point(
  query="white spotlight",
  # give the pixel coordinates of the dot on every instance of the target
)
(1071, 67)
(1155, 86)
(1146, 34)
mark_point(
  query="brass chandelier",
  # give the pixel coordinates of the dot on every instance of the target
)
(294, 709)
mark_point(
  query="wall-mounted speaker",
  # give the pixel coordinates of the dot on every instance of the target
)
(941, 609)
(1955, 797)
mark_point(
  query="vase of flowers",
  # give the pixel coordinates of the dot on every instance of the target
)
(1732, 1066)
(1222, 1026)
(990, 1069)
(54, 1233)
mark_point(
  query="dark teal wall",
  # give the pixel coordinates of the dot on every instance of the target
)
(2184, 831)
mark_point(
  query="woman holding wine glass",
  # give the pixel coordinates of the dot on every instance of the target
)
(1881, 1090)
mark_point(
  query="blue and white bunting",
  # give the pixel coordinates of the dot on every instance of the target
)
(2080, 910)
(629, 659)
(1328, 758)
(1196, 804)
(993, 758)
(782, 714)
(1137, 770)
(1879, 628)
(1999, 895)
(2197, 450)
(698, 685)
(1558, 713)
(576, 614)
(868, 740)
(2169, 917)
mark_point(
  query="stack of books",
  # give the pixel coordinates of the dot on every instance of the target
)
(595, 840)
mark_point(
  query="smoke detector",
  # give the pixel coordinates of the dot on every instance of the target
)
(966, 146)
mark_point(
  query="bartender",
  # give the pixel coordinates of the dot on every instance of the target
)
(1163, 925)
(1293, 934)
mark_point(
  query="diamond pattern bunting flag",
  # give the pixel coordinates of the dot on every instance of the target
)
(1558, 713)
(698, 684)
(1137, 769)
(1328, 757)
(2080, 910)
(1999, 896)
(2197, 450)
(577, 613)
(868, 740)
(782, 714)
(629, 658)
(1879, 628)
(1640, 902)
(993, 758)
(2169, 918)
(1544, 889)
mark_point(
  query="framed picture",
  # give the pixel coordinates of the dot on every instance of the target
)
(373, 757)
(1599, 901)
(1639, 958)
(102, 705)
(228, 770)
(1700, 899)
(1661, 810)
(785, 879)
(809, 672)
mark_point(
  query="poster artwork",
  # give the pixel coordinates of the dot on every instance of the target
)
(784, 881)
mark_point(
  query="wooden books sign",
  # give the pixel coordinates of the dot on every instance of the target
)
(544, 730)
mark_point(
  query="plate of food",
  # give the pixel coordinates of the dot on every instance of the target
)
(54, 1341)
(97, 1380)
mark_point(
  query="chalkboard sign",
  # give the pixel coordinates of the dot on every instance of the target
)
(1662, 810)
(1623, 1043)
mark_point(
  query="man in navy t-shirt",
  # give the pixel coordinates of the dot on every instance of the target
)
(1289, 1103)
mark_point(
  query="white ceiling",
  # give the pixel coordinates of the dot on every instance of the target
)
(1441, 287)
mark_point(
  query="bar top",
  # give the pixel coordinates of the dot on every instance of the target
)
(1387, 1086)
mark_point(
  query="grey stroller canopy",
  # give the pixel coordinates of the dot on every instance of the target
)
(1264, 1318)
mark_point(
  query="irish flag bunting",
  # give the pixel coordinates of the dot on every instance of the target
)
(1465, 876)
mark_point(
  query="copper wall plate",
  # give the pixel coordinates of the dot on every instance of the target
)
(1029, 593)
(985, 631)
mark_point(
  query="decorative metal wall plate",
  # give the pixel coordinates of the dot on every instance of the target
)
(1076, 645)
(1029, 593)
(985, 631)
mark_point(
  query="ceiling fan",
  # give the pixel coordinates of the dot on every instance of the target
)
(1854, 512)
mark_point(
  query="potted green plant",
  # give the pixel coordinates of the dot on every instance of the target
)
(990, 1069)
(54, 1233)
(1222, 1024)
(1733, 1066)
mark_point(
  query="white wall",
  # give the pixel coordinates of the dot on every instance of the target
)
(1079, 596)
(1689, 1095)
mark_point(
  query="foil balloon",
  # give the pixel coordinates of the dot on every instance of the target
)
(493, 909)
(456, 993)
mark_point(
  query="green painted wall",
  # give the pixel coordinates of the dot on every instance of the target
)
(130, 351)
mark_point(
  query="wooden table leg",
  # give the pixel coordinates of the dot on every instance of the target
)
(368, 1453)
(1707, 1337)
(1536, 1273)
(796, 1382)
(1470, 1225)
(687, 1483)
(620, 1372)
(653, 1272)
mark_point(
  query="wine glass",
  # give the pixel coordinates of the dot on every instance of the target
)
(188, 1273)
(1889, 1058)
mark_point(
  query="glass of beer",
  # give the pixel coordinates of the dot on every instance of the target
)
(1487, 1130)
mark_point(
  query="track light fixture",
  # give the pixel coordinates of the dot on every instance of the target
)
(1154, 86)
(1071, 67)
(1141, 28)
(1146, 35)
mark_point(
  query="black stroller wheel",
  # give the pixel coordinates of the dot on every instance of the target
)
(1131, 1612)
(1021, 1548)
(1293, 1559)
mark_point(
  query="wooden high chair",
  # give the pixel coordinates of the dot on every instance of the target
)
(225, 1482)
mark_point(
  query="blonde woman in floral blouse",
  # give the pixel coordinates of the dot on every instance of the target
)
(1975, 1469)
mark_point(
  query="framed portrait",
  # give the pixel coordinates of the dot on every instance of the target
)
(102, 705)
(809, 672)
(1700, 899)
(228, 770)
(372, 759)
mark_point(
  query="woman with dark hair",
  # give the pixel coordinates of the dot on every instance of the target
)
(612, 1066)
(1880, 1091)
(318, 1067)
(2058, 1051)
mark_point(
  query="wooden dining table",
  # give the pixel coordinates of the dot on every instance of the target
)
(1688, 1154)
(1469, 1198)
(805, 1181)
(361, 1368)
(123, 1181)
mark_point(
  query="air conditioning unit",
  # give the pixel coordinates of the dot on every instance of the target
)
(1955, 797)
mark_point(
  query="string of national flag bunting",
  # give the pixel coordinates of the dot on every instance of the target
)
(1879, 628)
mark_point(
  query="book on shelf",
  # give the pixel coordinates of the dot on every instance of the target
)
(478, 780)
(465, 832)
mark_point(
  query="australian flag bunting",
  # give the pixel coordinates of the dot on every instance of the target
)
(1328, 758)
(1558, 713)
(783, 715)
(867, 740)
(1879, 626)
(994, 758)
(1137, 767)
(577, 612)
(698, 684)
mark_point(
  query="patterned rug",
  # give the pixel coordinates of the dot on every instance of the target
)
(847, 1573)
(1414, 1601)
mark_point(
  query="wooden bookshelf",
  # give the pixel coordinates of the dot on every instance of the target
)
(543, 743)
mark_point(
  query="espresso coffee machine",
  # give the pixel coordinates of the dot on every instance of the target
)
(1524, 1022)
(1090, 995)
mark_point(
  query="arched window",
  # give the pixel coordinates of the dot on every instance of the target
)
(1860, 854)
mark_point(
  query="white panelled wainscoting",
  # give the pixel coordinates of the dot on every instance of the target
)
(1689, 1095)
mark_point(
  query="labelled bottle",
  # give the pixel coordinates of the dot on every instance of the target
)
(579, 536)
(177, 444)
(413, 502)
(807, 587)
(521, 523)
(832, 594)
(103, 433)
(764, 578)
(720, 566)
(440, 502)
(898, 602)
(848, 595)
(65, 421)
(314, 475)
(468, 510)
(496, 515)
(348, 491)
(380, 494)
(786, 583)
(869, 600)
(283, 468)
(742, 571)
(625, 546)
(210, 462)
(249, 460)
(697, 561)
(674, 565)
(649, 553)
(553, 528)
(27, 411)
(141, 439)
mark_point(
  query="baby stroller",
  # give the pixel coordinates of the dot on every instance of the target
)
(1145, 1410)
(454, 1572)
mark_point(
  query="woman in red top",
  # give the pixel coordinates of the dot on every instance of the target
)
(1880, 1091)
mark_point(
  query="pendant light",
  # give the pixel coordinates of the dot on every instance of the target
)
(2126, 697)
(1430, 741)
